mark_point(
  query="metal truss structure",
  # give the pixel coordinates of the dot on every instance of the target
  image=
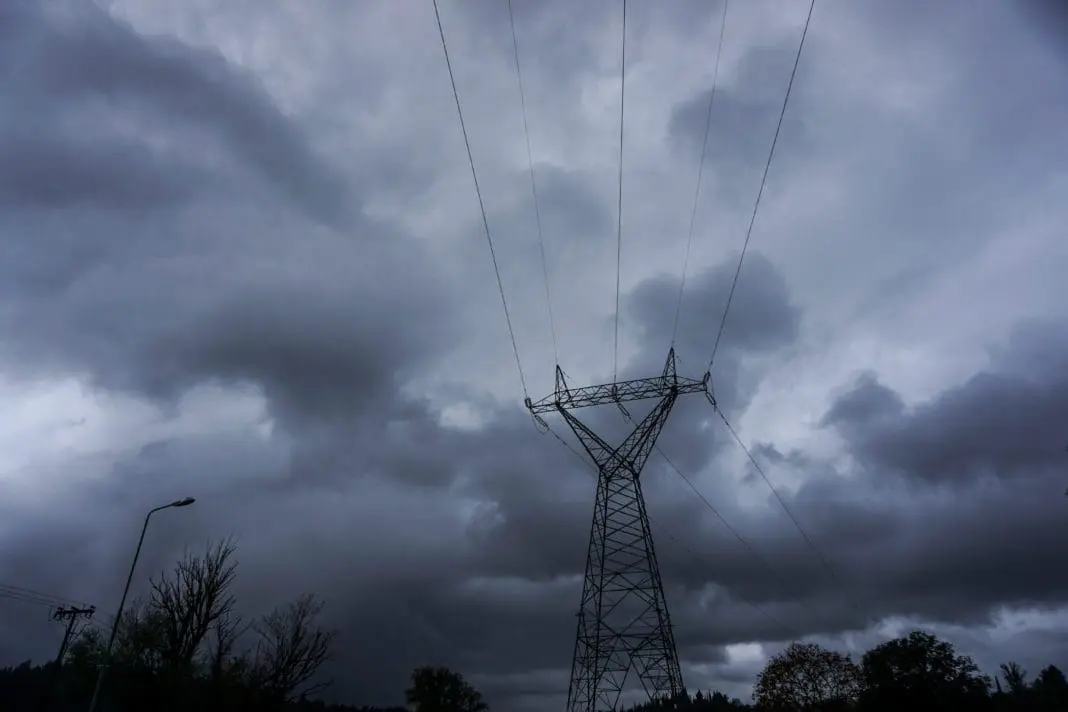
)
(623, 622)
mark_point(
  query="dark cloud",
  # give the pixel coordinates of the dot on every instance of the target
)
(1050, 17)
(761, 318)
(78, 75)
(948, 556)
(746, 110)
(58, 171)
(158, 303)
(169, 229)
(1006, 422)
(866, 400)
(952, 509)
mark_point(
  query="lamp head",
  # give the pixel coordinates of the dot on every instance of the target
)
(183, 502)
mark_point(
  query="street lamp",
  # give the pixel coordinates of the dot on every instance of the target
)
(122, 603)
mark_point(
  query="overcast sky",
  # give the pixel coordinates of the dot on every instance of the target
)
(241, 259)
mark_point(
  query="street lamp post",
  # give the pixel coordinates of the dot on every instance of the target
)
(122, 602)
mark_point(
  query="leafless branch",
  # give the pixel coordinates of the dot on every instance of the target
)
(291, 649)
(192, 600)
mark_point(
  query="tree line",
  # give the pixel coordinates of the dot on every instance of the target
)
(184, 646)
(916, 671)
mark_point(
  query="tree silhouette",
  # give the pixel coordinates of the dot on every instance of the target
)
(292, 647)
(920, 669)
(1015, 678)
(183, 647)
(1051, 689)
(712, 701)
(219, 653)
(269, 665)
(188, 604)
(806, 677)
(438, 689)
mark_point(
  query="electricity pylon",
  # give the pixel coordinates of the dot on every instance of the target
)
(623, 621)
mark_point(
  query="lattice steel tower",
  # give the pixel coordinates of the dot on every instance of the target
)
(623, 621)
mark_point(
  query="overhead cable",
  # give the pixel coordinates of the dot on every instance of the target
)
(533, 183)
(763, 182)
(481, 204)
(700, 172)
(619, 217)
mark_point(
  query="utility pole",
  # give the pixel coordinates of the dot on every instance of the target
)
(623, 621)
(71, 615)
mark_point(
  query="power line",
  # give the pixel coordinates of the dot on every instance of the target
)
(763, 182)
(734, 285)
(700, 172)
(25, 595)
(722, 520)
(12, 591)
(737, 535)
(782, 502)
(481, 204)
(619, 219)
(533, 183)
(789, 512)
(28, 599)
(27, 591)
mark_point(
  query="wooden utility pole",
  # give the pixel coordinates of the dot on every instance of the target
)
(71, 615)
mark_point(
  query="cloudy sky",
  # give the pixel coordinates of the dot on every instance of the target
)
(241, 259)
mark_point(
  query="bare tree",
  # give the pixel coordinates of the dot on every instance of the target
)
(291, 649)
(191, 601)
(220, 653)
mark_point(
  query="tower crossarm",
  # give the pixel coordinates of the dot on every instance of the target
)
(567, 398)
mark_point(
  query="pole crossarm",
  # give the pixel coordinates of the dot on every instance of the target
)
(71, 615)
(669, 382)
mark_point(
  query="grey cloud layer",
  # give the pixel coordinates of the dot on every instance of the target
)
(166, 225)
(1006, 422)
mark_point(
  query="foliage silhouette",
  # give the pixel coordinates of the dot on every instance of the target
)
(921, 669)
(182, 647)
(438, 689)
(153, 668)
(917, 671)
(805, 677)
(1015, 678)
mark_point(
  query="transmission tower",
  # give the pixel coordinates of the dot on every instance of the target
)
(623, 621)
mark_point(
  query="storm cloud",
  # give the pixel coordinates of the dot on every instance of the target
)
(241, 259)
